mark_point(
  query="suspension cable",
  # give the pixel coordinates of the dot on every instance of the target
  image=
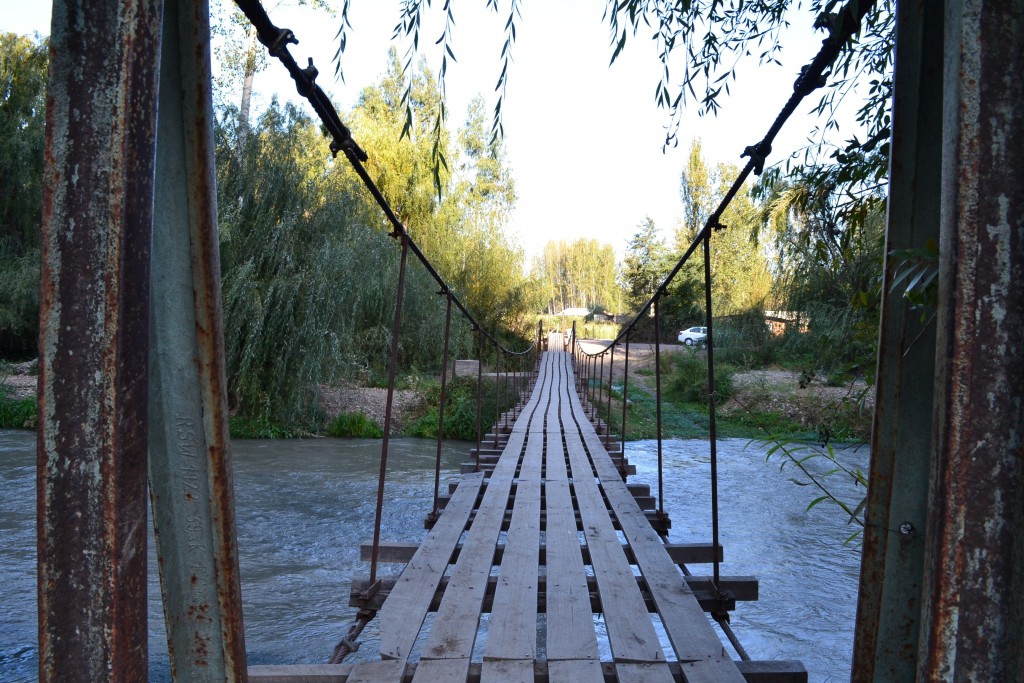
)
(277, 41)
(843, 26)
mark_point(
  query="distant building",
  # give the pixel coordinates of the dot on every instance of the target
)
(780, 321)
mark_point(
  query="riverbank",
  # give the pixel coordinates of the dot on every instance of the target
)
(752, 404)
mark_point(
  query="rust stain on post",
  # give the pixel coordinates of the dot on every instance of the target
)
(975, 544)
(94, 326)
(210, 340)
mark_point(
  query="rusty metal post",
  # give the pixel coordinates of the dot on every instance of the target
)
(396, 331)
(592, 386)
(608, 420)
(479, 392)
(892, 562)
(625, 402)
(712, 388)
(504, 389)
(497, 389)
(94, 340)
(657, 400)
(444, 394)
(189, 454)
(973, 627)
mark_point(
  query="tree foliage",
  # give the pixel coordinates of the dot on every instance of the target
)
(646, 264)
(578, 274)
(740, 276)
(310, 269)
(828, 268)
(23, 64)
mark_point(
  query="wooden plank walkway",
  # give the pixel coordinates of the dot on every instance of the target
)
(538, 566)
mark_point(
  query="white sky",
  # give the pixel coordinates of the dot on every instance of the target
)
(584, 140)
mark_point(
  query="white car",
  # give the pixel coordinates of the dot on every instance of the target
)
(694, 335)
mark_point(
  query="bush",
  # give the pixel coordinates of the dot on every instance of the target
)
(17, 413)
(687, 379)
(459, 410)
(243, 427)
(744, 340)
(356, 425)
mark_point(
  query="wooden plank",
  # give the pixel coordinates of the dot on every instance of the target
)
(575, 671)
(537, 396)
(562, 671)
(681, 553)
(390, 671)
(776, 671)
(406, 607)
(299, 673)
(454, 629)
(507, 671)
(739, 587)
(633, 672)
(691, 636)
(630, 630)
(442, 671)
(570, 620)
(710, 671)
(513, 625)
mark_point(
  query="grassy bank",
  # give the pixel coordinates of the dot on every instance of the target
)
(749, 404)
(746, 408)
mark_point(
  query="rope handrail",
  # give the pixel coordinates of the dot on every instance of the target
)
(276, 41)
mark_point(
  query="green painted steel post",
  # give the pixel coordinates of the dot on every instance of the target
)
(189, 452)
(888, 612)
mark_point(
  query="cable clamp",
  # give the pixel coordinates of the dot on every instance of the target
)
(805, 85)
(349, 146)
(310, 72)
(758, 154)
(280, 44)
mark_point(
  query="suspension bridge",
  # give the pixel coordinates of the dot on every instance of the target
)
(539, 556)
(543, 551)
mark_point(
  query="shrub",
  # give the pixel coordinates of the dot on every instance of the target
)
(17, 413)
(244, 427)
(459, 410)
(355, 425)
(687, 380)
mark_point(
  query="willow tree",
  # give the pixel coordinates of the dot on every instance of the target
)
(23, 63)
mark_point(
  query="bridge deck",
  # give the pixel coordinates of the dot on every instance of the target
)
(533, 570)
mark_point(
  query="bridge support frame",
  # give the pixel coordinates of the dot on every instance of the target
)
(943, 563)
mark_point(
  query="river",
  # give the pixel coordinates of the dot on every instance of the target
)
(303, 507)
